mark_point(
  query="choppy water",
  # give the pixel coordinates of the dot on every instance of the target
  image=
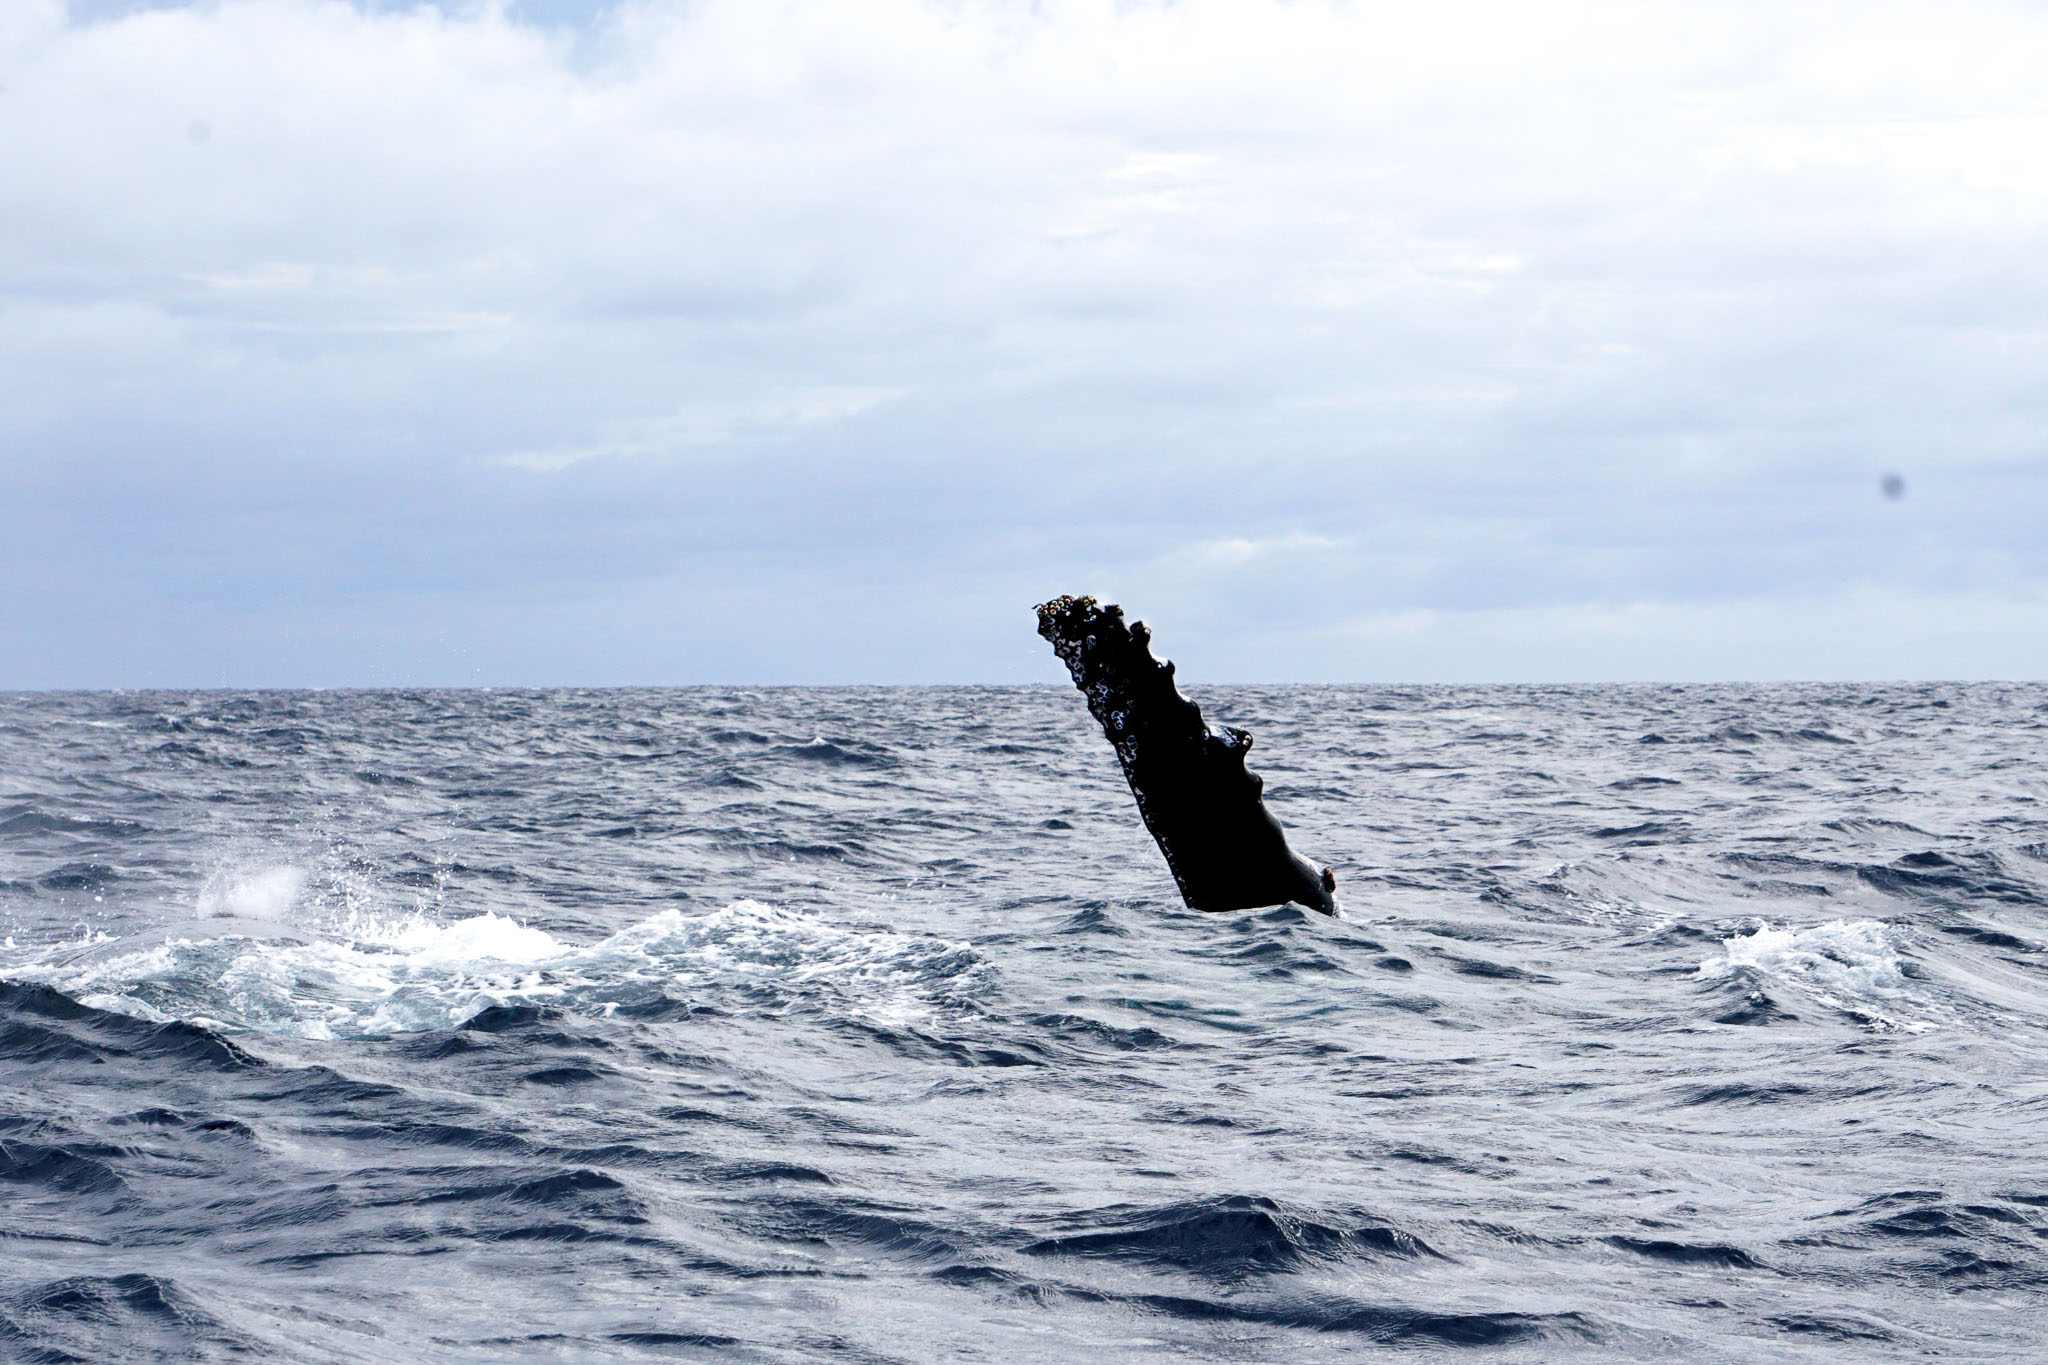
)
(1707, 1022)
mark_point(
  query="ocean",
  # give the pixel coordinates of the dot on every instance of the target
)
(1707, 1023)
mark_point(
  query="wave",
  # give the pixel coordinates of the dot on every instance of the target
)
(372, 976)
(1228, 1238)
(153, 1316)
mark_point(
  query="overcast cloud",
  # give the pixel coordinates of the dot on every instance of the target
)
(813, 341)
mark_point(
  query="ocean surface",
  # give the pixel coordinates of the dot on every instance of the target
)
(1697, 1023)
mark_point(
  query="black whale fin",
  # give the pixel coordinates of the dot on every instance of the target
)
(1202, 805)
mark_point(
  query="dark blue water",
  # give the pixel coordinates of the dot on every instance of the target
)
(865, 1025)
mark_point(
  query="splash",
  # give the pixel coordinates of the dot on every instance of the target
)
(1849, 965)
(379, 976)
(264, 894)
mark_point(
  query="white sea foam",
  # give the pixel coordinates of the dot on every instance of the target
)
(376, 976)
(1850, 965)
(482, 940)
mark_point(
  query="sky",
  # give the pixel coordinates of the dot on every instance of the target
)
(815, 341)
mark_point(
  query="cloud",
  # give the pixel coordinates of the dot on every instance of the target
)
(1267, 315)
(709, 428)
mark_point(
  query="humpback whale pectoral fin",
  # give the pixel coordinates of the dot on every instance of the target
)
(1202, 805)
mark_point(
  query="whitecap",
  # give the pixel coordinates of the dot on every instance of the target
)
(1850, 965)
(374, 976)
